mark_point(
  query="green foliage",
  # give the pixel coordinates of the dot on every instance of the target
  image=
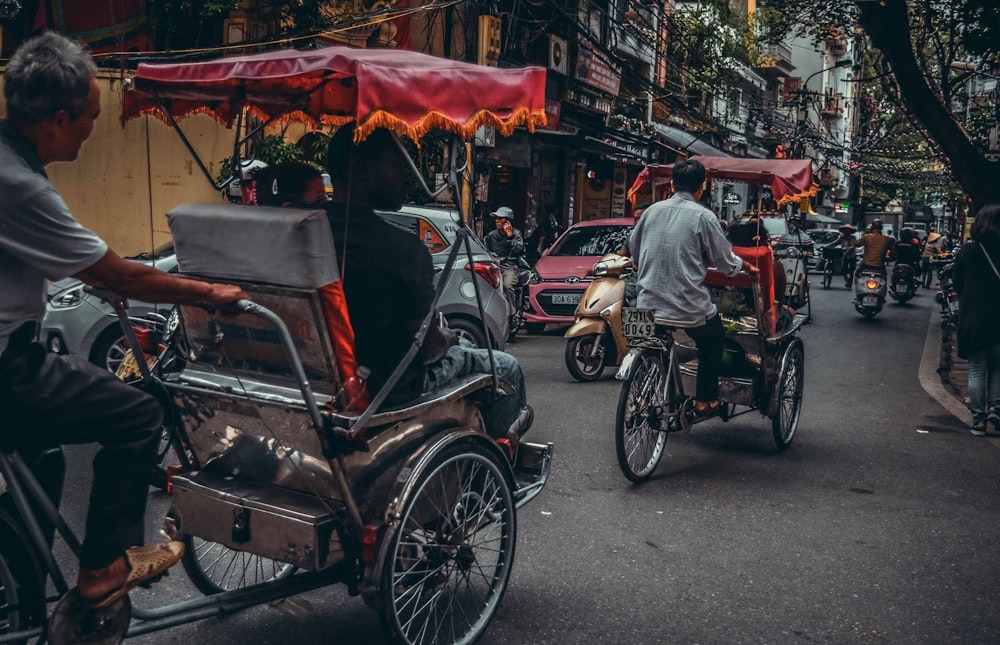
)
(707, 45)
(273, 149)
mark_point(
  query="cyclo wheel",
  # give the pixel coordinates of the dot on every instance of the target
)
(214, 568)
(449, 561)
(639, 437)
(789, 387)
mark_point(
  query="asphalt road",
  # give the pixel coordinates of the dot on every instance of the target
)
(878, 525)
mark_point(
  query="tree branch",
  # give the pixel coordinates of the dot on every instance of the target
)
(887, 24)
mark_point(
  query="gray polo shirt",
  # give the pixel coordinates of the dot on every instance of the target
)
(675, 241)
(39, 238)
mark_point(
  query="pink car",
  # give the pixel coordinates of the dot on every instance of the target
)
(561, 273)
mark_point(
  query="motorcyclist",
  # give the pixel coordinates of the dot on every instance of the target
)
(876, 246)
(906, 251)
(507, 244)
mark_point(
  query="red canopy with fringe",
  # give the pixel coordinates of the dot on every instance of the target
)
(790, 179)
(404, 91)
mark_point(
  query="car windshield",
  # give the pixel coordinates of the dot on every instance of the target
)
(591, 240)
(824, 236)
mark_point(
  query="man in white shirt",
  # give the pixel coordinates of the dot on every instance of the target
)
(674, 243)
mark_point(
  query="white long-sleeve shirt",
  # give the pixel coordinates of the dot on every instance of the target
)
(674, 242)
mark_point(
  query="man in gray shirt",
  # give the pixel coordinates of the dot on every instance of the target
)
(674, 243)
(53, 99)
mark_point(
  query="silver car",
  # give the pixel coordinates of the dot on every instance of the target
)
(437, 228)
(78, 323)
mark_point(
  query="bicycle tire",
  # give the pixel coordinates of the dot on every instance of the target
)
(639, 437)
(22, 587)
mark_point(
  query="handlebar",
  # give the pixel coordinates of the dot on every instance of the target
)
(241, 306)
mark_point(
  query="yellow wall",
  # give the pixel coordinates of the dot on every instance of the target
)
(127, 178)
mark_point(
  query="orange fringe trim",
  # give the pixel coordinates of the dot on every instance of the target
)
(381, 119)
(435, 120)
(787, 199)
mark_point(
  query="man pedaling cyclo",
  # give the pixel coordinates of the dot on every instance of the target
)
(388, 281)
(674, 243)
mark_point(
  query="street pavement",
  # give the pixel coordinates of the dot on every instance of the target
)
(878, 525)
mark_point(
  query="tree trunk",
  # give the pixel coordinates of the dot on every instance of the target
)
(887, 24)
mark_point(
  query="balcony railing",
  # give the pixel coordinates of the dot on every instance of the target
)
(833, 106)
(775, 60)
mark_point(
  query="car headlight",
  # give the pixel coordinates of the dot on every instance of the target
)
(71, 297)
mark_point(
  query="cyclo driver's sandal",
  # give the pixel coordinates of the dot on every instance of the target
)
(146, 564)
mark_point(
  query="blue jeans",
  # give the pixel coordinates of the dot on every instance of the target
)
(462, 360)
(984, 382)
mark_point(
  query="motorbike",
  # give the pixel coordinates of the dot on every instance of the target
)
(947, 295)
(903, 282)
(516, 320)
(596, 339)
(869, 293)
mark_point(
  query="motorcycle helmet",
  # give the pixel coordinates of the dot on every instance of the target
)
(876, 225)
(906, 235)
(504, 212)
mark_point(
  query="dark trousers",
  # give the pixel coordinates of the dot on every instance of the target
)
(48, 400)
(709, 339)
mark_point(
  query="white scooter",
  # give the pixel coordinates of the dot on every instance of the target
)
(869, 292)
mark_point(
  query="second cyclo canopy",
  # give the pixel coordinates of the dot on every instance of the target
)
(789, 179)
(407, 92)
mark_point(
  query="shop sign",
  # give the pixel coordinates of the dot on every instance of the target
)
(595, 72)
(633, 149)
(731, 199)
(553, 110)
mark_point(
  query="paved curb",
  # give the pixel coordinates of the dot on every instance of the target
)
(930, 379)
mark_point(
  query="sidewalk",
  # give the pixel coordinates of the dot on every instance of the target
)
(943, 374)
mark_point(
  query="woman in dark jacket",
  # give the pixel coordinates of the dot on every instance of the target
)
(977, 280)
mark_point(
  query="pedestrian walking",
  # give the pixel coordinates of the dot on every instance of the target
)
(977, 280)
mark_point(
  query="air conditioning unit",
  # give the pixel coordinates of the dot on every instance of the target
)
(558, 55)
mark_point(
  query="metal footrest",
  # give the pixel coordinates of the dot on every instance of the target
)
(531, 472)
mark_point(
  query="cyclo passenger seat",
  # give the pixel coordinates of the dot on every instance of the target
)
(286, 260)
(763, 258)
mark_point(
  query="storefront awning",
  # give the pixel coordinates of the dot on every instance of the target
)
(687, 142)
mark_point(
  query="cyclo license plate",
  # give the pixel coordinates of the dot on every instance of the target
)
(869, 301)
(638, 324)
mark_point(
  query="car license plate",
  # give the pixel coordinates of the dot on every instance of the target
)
(953, 305)
(637, 323)
(869, 301)
(565, 298)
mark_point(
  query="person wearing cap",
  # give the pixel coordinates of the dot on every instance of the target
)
(507, 244)
(876, 246)
(932, 246)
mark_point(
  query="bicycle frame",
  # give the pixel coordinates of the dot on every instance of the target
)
(28, 495)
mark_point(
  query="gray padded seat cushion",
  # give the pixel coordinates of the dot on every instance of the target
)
(280, 246)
